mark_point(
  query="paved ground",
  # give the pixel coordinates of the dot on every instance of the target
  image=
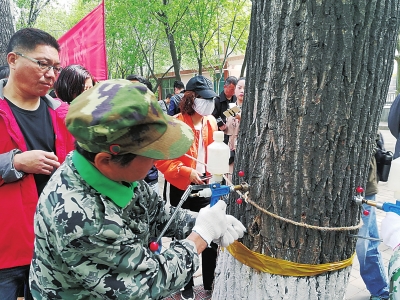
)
(356, 289)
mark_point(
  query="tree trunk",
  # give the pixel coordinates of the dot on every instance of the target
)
(200, 59)
(174, 56)
(6, 29)
(237, 281)
(318, 74)
(244, 65)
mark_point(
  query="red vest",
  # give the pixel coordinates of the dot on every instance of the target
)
(18, 199)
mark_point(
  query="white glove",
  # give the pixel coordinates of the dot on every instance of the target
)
(390, 230)
(211, 222)
(234, 231)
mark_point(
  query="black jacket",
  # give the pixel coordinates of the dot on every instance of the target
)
(221, 105)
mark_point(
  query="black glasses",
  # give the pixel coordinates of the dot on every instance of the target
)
(42, 65)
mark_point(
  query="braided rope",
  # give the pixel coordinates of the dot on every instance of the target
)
(246, 198)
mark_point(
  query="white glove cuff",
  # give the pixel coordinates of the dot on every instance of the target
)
(204, 234)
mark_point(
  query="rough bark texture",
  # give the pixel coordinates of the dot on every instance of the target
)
(317, 77)
(6, 29)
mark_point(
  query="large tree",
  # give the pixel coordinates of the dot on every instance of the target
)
(6, 29)
(318, 74)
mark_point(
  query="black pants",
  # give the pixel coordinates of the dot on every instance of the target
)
(209, 255)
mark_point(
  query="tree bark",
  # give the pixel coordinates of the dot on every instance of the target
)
(6, 29)
(174, 56)
(318, 74)
(237, 281)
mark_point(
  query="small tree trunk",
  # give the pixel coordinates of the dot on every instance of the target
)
(174, 55)
(318, 74)
(6, 29)
(200, 60)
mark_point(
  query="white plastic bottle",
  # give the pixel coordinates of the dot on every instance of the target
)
(218, 157)
(394, 178)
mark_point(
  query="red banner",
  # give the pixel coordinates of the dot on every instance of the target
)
(85, 44)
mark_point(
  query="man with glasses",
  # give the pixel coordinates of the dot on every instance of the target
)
(33, 143)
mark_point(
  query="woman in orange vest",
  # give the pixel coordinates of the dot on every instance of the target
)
(196, 108)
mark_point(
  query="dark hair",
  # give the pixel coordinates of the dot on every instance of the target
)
(168, 96)
(29, 38)
(178, 84)
(122, 160)
(52, 93)
(231, 79)
(71, 82)
(141, 79)
(4, 71)
(187, 102)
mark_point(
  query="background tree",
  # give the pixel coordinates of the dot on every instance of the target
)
(233, 32)
(204, 26)
(317, 78)
(170, 15)
(6, 29)
(29, 11)
(66, 15)
(124, 51)
(135, 43)
(153, 37)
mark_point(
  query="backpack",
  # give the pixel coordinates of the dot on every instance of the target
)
(383, 160)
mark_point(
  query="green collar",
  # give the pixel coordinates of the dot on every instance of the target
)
(120, 194)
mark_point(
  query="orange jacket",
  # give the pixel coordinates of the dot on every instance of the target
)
(177, 171)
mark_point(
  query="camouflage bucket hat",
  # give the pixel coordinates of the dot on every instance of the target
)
(119, 117)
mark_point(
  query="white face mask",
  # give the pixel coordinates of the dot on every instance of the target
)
(203, 107)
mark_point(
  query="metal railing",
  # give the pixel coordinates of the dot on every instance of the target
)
(390, 98)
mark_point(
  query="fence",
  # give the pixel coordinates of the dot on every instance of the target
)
(390, 98)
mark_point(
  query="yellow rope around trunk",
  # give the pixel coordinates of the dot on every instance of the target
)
(267, 264)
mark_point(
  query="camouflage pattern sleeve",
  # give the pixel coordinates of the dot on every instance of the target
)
(394, 274)
(159, 215)
(87, 247)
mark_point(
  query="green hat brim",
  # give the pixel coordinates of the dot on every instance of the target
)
(174, 143)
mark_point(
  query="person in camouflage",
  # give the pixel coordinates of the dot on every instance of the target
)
(96, 216)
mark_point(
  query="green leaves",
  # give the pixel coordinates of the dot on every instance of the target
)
(157, 36)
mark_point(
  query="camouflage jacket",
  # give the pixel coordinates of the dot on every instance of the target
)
(394, 274)
(88, 247)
